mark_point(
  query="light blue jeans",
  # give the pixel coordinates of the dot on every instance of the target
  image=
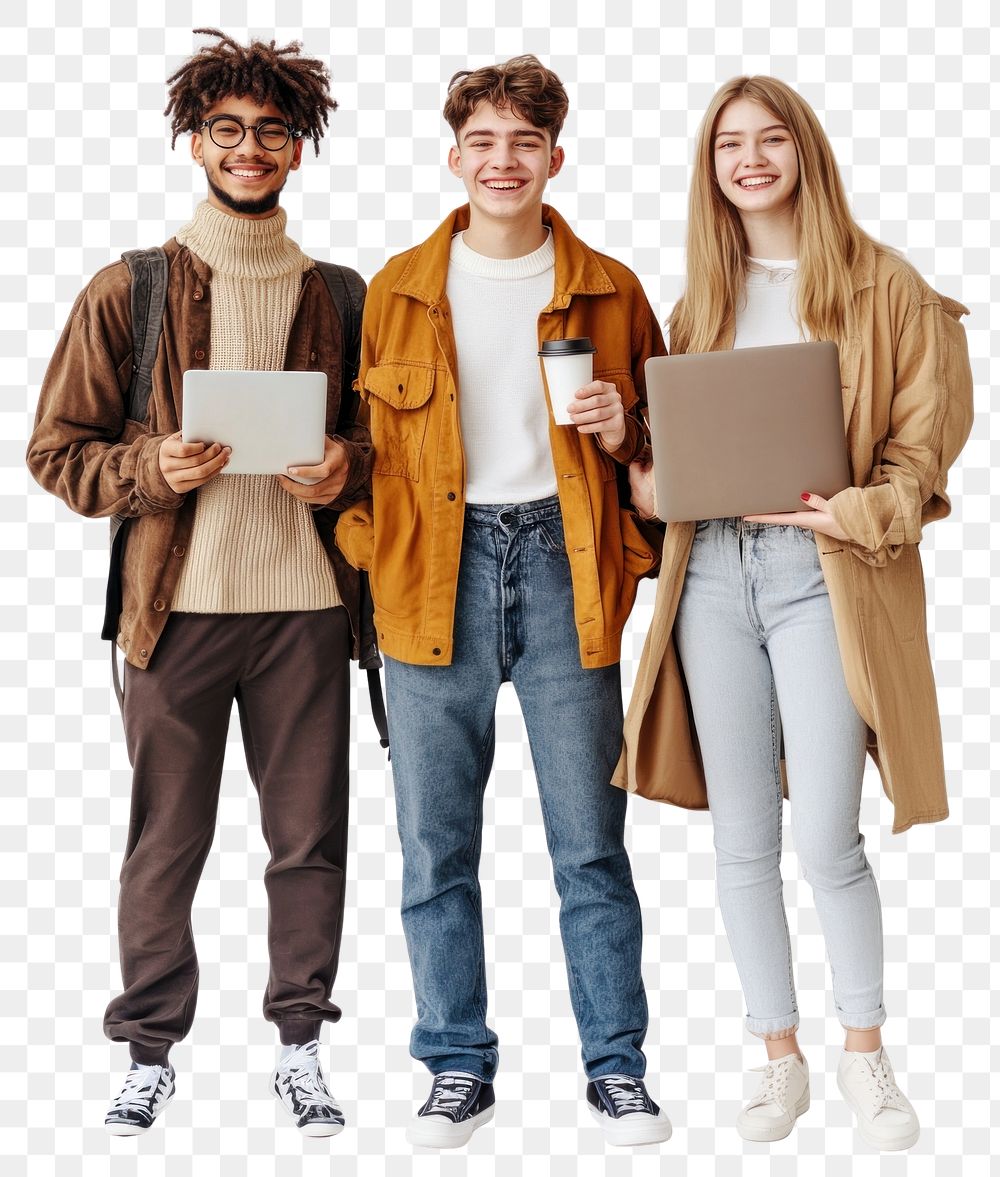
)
(755, 636)
(514, 622)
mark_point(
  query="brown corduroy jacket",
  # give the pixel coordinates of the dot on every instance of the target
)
(409, 536)
(85, 451)
(907, 389)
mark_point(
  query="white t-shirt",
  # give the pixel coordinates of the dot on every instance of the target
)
(495, 303)
(768, 315)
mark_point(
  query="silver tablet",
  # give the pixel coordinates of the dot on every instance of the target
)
(272, 420)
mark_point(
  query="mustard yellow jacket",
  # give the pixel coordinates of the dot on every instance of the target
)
(409, 534)
(907, 388)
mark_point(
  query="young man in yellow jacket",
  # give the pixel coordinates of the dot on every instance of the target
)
(499, 551)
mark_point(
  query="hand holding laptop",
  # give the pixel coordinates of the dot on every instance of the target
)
(818, 517)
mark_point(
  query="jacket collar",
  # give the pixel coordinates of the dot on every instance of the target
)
(578, 270)
(863, 270)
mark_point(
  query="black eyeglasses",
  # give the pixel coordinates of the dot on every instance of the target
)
(227, 131)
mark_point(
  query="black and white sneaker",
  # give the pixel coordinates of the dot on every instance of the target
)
(147, 1091)
(623, 1108)
(301, 1090)
(458, 1104)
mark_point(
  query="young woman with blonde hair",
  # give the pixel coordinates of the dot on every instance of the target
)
(801, 637)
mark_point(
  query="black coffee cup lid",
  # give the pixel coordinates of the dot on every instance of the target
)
(567, 347)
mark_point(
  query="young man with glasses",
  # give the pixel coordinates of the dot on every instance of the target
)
(232, 587)
(500, 551)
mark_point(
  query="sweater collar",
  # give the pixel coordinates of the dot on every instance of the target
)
(507, 269)
(578, 270)
(242, 246)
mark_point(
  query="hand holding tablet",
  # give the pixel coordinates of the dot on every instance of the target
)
(322, 483)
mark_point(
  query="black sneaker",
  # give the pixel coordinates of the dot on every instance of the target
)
(625, 1112)
(458, 1104)
(301, 1090)
(147, 1091)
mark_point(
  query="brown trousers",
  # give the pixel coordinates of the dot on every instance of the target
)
(290, 676)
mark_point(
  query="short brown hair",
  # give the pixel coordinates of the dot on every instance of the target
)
(298, 86)
(522, 85)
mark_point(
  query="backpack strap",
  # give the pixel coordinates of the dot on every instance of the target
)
(347, 293)
(149, 270)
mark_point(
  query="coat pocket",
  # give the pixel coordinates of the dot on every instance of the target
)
(398, 396)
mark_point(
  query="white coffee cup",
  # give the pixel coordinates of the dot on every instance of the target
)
(567, 364)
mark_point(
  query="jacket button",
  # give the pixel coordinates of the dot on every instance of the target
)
(198, 295)
(436, 650)
(179, 549)
(159, 605)
(199, 353)
(451, 496)
(399, 388)
(143, 653)
(312, 357)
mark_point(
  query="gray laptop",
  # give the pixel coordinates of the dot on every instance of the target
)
(271, 419)
(745, 432)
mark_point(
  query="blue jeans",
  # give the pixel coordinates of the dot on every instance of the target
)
(755, 636)
(514, 622)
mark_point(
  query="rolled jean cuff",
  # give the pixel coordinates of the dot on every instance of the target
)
(866, 1021)
(772, 1029)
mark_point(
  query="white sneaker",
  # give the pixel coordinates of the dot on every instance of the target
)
(301, 1090)
(147, 1091)
(886, 1118)
(783, 1097)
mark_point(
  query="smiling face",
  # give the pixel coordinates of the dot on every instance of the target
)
(756, 161)
(246, 179)
(504, 162)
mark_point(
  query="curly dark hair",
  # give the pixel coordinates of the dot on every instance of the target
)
(521, 84)
(298, 86)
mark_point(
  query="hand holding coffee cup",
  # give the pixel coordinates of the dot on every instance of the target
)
(576, 398)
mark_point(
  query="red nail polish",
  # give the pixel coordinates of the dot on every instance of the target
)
(804, 496)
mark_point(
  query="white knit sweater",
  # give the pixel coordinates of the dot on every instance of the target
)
(254, 548)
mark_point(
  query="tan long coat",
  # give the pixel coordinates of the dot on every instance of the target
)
(907, 388)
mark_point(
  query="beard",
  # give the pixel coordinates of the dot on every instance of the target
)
(252, 206)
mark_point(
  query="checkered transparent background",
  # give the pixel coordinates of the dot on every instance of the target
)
(905, 92)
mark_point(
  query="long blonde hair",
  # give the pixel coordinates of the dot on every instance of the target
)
(828, 237)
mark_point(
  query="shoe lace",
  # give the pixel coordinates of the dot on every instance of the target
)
(450, 1091)
(302, 1072)
(882, 1085)
(627, 1093)
(140, 1085)
(774, 1084)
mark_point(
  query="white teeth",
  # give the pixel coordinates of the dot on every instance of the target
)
(756, 181)
(504, 185)
(246, 173)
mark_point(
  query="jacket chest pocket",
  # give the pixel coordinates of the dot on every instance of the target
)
(398, 397)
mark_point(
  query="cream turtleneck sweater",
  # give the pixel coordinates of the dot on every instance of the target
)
(253, 548)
